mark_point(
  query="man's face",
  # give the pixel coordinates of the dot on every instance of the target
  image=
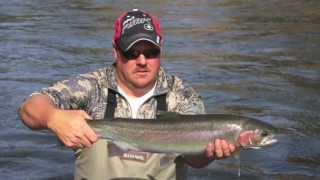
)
(138, 67)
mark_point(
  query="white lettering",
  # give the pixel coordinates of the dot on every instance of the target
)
(129, 23)
(134, 156)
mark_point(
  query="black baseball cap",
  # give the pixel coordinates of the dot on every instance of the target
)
(134, 26)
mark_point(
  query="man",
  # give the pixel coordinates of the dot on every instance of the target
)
(136, 87)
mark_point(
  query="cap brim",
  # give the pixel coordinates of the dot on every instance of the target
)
(137, 38)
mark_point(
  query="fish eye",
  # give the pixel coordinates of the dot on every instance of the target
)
(264, 133)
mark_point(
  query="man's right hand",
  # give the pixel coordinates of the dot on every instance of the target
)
(71, 127)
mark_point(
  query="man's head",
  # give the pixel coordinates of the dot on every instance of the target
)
(134, 26)
(137, 45)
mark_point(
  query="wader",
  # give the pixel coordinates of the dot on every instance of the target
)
(95, 163)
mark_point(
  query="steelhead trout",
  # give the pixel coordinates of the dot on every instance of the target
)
(183, 134)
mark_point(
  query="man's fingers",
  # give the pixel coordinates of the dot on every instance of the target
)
(91, 135)
(225, 148)
(73, 130)
(222, 148)
(73, 142)
(232, 148)
(87, 135)
(83, 137)
(218, 149)
(85, 141)
(80, 140)
(210, 150)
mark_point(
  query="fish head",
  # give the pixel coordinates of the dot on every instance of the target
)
(256, 135)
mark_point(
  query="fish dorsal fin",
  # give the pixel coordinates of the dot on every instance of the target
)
(167, 115)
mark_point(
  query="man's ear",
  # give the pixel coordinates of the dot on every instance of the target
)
(115, 53)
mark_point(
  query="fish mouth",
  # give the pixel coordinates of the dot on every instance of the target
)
(267, 141)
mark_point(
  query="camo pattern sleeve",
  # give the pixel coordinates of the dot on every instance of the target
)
(74, 93)
(183, 99)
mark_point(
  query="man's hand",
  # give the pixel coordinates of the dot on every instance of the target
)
(219, 149)
(71, 128)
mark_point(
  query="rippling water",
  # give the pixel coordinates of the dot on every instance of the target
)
(255, 58)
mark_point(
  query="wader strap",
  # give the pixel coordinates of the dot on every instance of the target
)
(111, 104)
(161, 103)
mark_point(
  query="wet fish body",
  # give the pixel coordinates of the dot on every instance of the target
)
(182, 134)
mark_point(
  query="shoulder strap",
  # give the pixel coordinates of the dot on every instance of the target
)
(161, 103)
(111, 104)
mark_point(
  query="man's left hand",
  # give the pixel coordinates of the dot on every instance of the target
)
(219, 149)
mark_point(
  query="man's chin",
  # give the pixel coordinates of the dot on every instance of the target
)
(142, 84)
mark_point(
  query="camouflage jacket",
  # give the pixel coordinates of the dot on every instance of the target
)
(89, 92)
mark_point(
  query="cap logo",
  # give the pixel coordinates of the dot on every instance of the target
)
(148, 27)
(129, 23)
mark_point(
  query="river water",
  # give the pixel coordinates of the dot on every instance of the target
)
(252, 57)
